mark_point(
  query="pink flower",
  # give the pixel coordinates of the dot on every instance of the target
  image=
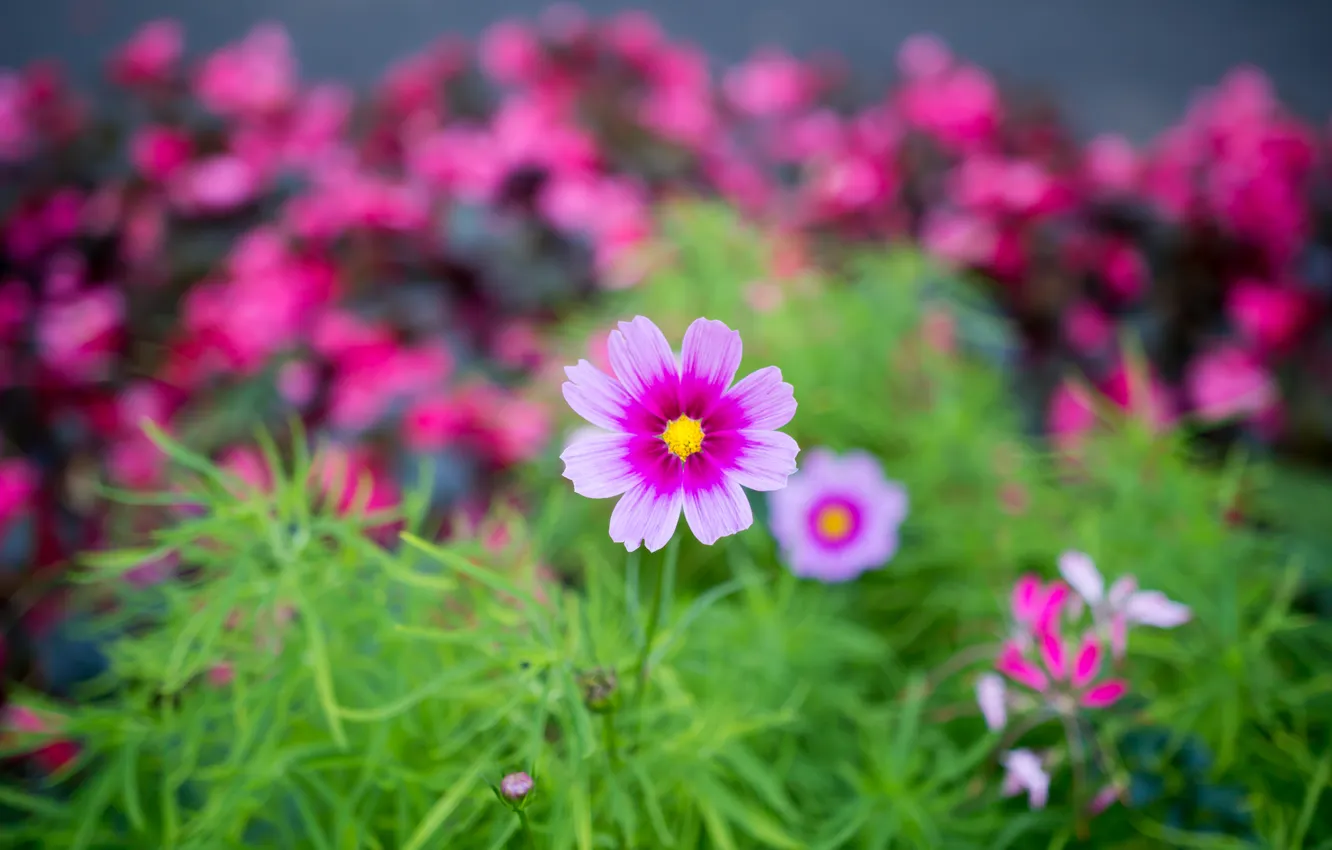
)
(838, 516)
(680, 439)
(1087, 328)
(255, 76)
(1143, 396)
(960, 239)
(1110, 165)
(18, 135)
(960, 108)
(432, 423)
(1227, 383)
(511, 52)
(1065, 674)
(18, 487)
(1036, 607)
(1123, 606)
(159, 152)
(991, 696)
(217, 184)
(769, 84)
(1271, 317)
(1124, 271)
(351, 478)
(1023, 771)
(1070, 417)
(77, 338)
(150, 57)
(923, 55)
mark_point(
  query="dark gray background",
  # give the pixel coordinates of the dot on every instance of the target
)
(1126, 65)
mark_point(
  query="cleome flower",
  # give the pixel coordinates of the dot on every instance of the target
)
(1123, 606)
(838, 516)
(681, 437)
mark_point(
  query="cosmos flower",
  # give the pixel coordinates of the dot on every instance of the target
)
(681, 436)
(838, 517)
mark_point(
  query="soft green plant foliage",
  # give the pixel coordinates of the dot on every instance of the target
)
(776, 713)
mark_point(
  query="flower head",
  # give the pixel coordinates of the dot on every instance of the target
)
(516, 786)
(838, 516)
(1123, 606)
(681, 437)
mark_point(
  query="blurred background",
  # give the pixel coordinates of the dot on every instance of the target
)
(383, 218)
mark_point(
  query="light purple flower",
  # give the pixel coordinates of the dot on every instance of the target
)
(1025, 772)
(992, 697)
(1124, 605)
(516, 786)
(838, 517)
(680, 436)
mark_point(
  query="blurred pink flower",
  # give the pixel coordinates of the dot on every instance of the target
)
(923, 55)
(511, 52)
(433, 422)
(297, 382)
(78, 338)
(1124, 270)
(216, 184)
(1035, 607)
(158, 152)
(1142, 396)
(15, 308)
(1024, 771)
(1087, 328)
(1110, 165)
(18, 136)
(518, 345)
(959, 108)
(1071, 415)
(1065, 673)
(768, 84)
(991, 696)
(151, 55)
(248, 466)
(350, 477)
(636, 36)
(18, 487)
(1269, 316)
(960, 239)
(1123, 606)
(1228, 382)
(253, 77)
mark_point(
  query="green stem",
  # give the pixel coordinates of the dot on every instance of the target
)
(528, 838)
(612, 737)
(654, 616)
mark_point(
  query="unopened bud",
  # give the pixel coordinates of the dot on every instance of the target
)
(516, 786)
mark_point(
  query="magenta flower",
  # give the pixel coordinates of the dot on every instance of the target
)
(680, 436)
(1036, 608)
(1065, 676)
(1123, 606)
(838, 516)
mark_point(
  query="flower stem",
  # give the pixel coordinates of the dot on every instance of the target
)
(654, 616)
(528, 838)
(612, 738)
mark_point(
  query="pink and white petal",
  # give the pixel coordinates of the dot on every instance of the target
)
(1080, 571)
(601, 400)
(1051, 606)
(599, 465)
(1026, 599)
(714, 504)
(1053, 655)
(709, 358)
(1088, 662)
(1105, 694)
(646, 515)
(1118, 635)
(1016, 667)
(991, 696)
(1153, 608)
(1120, 591)
(1023, 769)
(761, 401)
(759, 460)
(646, 366)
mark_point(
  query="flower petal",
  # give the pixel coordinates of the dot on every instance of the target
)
(761, 401)
(601, 400)
(1026, 597)
(759, 460)
(1053, 655)
(1013, 665)
(599, 465)
(1088, 662)
(1080, 571)
(714, 505)
(1120, 591)
(644, 363)
(709, 358)
(1023, 769)
(1153, 608)
(646, 515)
(1105, 694)
(1051, 606)
(990, 696)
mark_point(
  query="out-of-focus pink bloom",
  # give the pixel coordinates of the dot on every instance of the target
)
(1066, 673)
(15, 308)
(134, 461)
(18, 486)
(77, 338)
(253, 77)
(1271, 317)
(249, 468)
(18, 136)
(511, 52)
(636, 36)
(960, 239)
(350, 477)
(923, 55)
(1228, 382)
(1143, 396)
(414, 85)
(151, 55)
(19, 721)
(848, 183)
(1071, 415)
(317, 125)
(221, 674)
(959, 108)
(770, 83)
(1035, 607)
(991, 696)
(1124, 271)
(217, 184)
(506, 428)
(297, 382)
(1110, 165)
(1123, 606)
(1087, 328)
(519, 346)
(986, 184)
(432, 423)
(158, 152)
(1023, 771)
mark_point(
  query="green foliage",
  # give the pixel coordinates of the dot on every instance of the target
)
(775, 712)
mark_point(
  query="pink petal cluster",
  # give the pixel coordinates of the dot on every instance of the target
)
(678, 435)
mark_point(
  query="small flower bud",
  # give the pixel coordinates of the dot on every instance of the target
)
(600, 689)
(516, 786)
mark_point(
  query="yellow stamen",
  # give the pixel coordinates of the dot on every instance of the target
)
(683, 437)
(833, 522)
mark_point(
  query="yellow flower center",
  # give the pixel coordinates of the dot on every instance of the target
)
(683, 437)
(833, 522)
